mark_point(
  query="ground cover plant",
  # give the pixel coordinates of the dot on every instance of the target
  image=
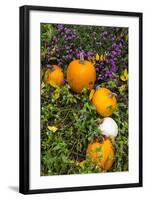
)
(84, 113)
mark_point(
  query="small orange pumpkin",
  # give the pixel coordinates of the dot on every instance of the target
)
(104, 101)
(101, 154)
(81, 73)
(54, 75)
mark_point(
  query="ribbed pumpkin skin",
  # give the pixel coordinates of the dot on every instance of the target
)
(105, 157)
(104, 103)
(80, 75)
(54, 75)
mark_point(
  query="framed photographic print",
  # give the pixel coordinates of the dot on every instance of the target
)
(80, 99)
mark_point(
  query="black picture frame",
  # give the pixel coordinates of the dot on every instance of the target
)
(24, 98)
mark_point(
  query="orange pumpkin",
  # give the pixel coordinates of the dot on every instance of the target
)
(54, 75)
(104, 101)
(101, 154)
(81, 73)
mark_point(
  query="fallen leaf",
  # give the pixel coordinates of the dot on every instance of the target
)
(56, 94)
(53, 128)
(51, 82)
(91, 94)
(97, 57)
(124, 76)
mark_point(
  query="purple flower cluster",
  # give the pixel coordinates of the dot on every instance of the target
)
(114, 61)
(67, 45)
(86, 54)
(67, 51)
(67, 33)
(62, 46)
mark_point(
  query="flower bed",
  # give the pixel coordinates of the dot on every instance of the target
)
(69, 120)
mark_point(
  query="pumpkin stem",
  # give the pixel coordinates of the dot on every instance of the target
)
(112, 94)
(97, 87)
(81, 58)
(100, 139)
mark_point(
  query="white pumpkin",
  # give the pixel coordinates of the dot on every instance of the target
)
(109, 127)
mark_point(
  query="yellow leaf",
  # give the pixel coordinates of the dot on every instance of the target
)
(101, 58)
(53, 58)
(53, 49)
(52, 83)
(56, 94)
(46, 76)
(104, 57)
(42, 85)
(82, 164)
(125, 72)
(97, 57)
(91, 94)
(53, 128)
(92, 60)
(124, 76)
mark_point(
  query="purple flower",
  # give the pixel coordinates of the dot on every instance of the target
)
(79, 52)
(78, 55)
(114, 38)
(68, 57)
(58, 60)
(67, 31)
(67, 47)
(58, 50)
(89, 54)
(120, 44)
(100, 78)
(63, 81)
(60, 27)
(107, 61)
(113, 69)
(104, 34)
(113, 45)
(97, 69)
(108, 74)
(119, 53)
(112, 61)
(114, 53)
